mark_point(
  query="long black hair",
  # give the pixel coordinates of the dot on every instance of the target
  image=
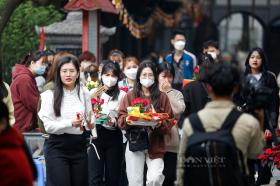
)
(154, 90)
(115, 68)
(3, 89)
(263, 57)
(58, 90)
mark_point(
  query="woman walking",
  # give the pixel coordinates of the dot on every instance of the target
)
(105, 153)
(64, 111)
(143, 151)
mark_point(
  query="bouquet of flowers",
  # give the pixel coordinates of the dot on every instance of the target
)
(92, 84)
(96, 106)
(271, 155)
(139, 113)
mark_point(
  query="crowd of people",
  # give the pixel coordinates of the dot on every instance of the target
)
(212, 113)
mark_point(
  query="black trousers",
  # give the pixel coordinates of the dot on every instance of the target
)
(66, 160)
(264, 174)
(169, 171)
(109, 148)
(123, 178)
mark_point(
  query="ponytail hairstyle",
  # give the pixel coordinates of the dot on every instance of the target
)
(28, 58)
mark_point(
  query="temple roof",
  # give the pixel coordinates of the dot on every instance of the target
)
(72, 25)
(90, 5)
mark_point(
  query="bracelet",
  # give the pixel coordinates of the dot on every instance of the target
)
(168, 91)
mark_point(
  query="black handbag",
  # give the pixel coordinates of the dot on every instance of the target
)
(138, 139)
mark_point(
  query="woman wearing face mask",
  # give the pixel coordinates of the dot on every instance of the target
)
(165, 77)
(105, 152)
(146, 86)
(25, 94)
(63, 111)
(130, 71)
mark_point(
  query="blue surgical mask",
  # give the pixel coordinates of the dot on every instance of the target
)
(40, 70)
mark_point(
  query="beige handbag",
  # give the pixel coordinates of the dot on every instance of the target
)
(172, 140)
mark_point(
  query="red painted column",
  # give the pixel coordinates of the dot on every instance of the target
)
(85, 36)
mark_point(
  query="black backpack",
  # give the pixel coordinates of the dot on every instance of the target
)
(212, 158)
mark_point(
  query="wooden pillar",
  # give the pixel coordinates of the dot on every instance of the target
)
(85, 46)
(94, 34)
(91, 33)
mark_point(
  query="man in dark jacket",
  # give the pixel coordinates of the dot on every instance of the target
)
(195, 93)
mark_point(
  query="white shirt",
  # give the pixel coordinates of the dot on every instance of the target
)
(258, 76)
(70, 106)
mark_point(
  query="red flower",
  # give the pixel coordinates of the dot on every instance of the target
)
(263, 157)
(145, 102)
(270, 152)
(93, 101)
(101, 101)
(196, 70)
(125, 89)
(140, 102)
(135, 101)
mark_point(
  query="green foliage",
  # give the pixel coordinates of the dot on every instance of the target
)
(20, 37)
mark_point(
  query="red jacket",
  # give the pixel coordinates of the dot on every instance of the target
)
(14, 165)
(25, 96)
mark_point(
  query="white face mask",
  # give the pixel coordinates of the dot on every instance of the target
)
(147, 82)
(179, 45)
(131, 73)
(213, 54)
(109, 81)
